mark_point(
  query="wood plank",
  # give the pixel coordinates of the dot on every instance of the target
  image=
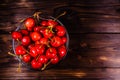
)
(83, 73)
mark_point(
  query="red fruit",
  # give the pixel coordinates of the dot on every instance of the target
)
(30, 46)
(62, 51)
(37, 28)
(26, 58)
(16, 35)
(47, 33)
(60, 30)
(51, 23)
(64, 40)
(35, 64)
(26, 40)
(56, 41)
(44, 23)
(20, 50)
(43, 59)
(51, 52)
(33, 52)
(40, 48)
(24, 32)
(29, 23)
(55, 60)
(35, 36)
(44, 41)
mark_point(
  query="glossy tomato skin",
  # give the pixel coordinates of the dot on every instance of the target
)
(35, 36)
(20, 50)
(29, 23)
(16, 35)
(56, 41)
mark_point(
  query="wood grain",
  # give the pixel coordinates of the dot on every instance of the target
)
(94, 33)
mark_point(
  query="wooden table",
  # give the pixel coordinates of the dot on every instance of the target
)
(94, 31)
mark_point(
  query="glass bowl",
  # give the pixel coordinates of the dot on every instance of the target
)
(42, 17)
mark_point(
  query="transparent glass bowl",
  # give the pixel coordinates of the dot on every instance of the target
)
(42, 17)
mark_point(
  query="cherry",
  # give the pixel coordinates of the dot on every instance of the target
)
(51, 52)
(26, 58)
(33, 52)
(43, 59)
(62, 51)
(44, 23)
(35, 36)
(44, 41)
(55, 60)
(51, 23)
(24, 32)
(35, 64)
(26, 40)
(60, 30)
(56, 41)
(47, 33)
(20, 50)
(64, 40)
(29, 23)
(40, 48)
(37, 28)
(16, 35)
(30, 46)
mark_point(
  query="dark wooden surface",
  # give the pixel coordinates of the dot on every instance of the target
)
(94, 30)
